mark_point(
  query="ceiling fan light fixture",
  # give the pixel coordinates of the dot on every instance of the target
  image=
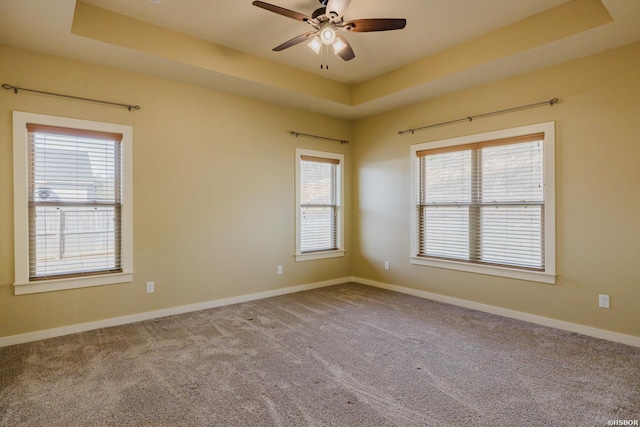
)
(328, 35)
(315, 44)
(338, 45)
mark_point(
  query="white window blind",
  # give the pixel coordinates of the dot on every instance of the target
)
(320, 189)
(483, 203)
(75, 202)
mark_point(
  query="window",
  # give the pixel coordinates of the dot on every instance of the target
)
(319, 217)
(485, 203)
(72, 203)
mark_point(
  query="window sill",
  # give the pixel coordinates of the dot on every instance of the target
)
(533, 276)
(320, 255)
(73, 283)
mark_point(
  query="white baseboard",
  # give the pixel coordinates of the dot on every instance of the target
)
(531, 318)
(123, 320)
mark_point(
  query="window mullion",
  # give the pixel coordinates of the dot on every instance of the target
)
(334, 237)
(475, 229)
(422, 207)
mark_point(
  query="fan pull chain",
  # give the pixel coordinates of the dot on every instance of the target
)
(325, 57)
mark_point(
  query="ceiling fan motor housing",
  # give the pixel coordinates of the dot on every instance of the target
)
(319, 14)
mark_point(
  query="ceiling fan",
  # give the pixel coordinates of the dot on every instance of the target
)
(328, 23)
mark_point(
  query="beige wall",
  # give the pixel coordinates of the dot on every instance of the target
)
(203, 160)
(597, 190)
(213, 191)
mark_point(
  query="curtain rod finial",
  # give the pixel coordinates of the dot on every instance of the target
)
(8, 86)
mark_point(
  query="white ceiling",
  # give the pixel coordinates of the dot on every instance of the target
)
(432, 26)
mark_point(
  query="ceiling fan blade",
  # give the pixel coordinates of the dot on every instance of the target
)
(294, 41)
(346, 53)
(375, 24)
(282, 11)
(337, 8)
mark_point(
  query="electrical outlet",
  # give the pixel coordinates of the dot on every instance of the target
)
(279, 270)
(151, 287)
(386, 265)
(603, 301)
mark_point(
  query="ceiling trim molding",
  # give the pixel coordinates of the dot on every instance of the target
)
(109, 27)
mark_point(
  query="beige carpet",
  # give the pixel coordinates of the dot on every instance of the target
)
(347, 355)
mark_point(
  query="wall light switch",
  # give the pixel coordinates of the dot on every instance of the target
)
(150, 287)
(386, 265)
(279, 270)
(603, 301)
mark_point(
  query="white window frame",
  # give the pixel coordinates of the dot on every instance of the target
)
(549, 275)
(334, 253)
(22, 284)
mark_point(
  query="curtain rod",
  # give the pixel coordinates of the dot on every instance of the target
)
(113, 104)
(493, 113)
(341, 141)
